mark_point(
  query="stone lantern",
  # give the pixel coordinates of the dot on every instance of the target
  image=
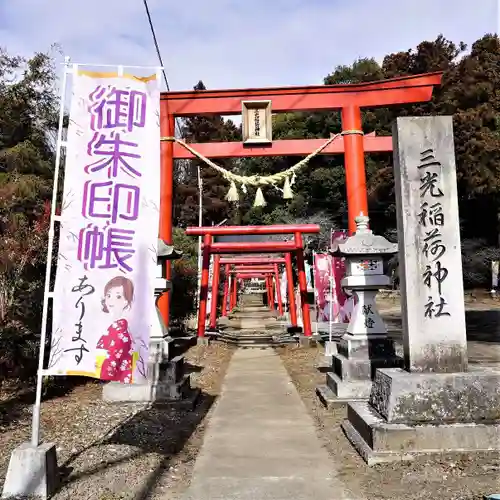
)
(365, 346)
(165, 375)
(162, 285)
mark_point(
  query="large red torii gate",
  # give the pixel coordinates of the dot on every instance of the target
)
(208, 248)
(349, 98)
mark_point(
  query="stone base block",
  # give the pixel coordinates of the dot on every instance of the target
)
(348, 390)
(153, 392)
(366, 347)
(330, 349)
(329, 400)
(378, 441)
(202, 341)
(362, 368)
(436, 398)
(32, 472)
(338, 329)
(307, 341)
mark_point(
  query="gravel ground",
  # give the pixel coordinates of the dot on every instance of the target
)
(447, 477)
(126, 451)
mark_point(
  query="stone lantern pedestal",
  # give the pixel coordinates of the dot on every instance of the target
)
(365, 346)
(166, 380)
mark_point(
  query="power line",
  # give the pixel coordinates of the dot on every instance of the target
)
(156, 43)
(158, 53)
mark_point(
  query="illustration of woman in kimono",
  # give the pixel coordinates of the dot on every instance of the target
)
(117, 341)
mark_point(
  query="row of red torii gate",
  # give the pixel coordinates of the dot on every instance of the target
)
(350, 99)
(253, 267)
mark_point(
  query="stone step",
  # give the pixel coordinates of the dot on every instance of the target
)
(247, 333)
(378, 441)
(253, 319)
(258, 325)
(268, 331)
(247, 340)
(257, 312)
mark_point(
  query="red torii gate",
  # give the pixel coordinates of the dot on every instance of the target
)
(266, 274)
(349, 98)
(263, 261)
(270, 274)
(208, 248)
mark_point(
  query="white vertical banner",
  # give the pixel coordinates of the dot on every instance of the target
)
(106, 267)
(284, 287)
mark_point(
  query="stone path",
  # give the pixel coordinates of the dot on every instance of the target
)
(261, 443)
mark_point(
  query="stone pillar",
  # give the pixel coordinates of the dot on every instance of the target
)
(365, 345)
(430, 261)
(434, 404)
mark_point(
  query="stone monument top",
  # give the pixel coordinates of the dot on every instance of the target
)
(167, 252)
(363, 241)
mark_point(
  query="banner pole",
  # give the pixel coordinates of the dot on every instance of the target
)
(35, 428)
(316, 303)
(331, 276)
(330, 306)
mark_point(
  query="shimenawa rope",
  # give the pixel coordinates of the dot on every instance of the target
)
(287, 176)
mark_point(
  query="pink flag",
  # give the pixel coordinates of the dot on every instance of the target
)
(322, 269)
(346, 303)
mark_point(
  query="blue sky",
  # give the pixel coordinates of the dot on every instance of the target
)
(236, 43)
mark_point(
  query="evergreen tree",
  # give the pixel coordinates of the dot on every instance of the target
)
(28, 124)
(215, 206)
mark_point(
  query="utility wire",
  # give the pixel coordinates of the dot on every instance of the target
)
(158, 53)
(156, 43)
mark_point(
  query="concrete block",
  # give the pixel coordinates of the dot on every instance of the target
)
(166, 381)
(366, 347)
(465, 397)
(355, 365)
(202, 341)
(307, 341)
(348, 389)
(115, 392)
(378, 441)
(32, 472)
(331, 348)
(173, 370)
(329, 400)
(362, 369)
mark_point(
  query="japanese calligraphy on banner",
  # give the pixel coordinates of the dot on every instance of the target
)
(104, 292)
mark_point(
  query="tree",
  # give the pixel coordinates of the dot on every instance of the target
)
(468, 92)
(28, 125)
(215, 206)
